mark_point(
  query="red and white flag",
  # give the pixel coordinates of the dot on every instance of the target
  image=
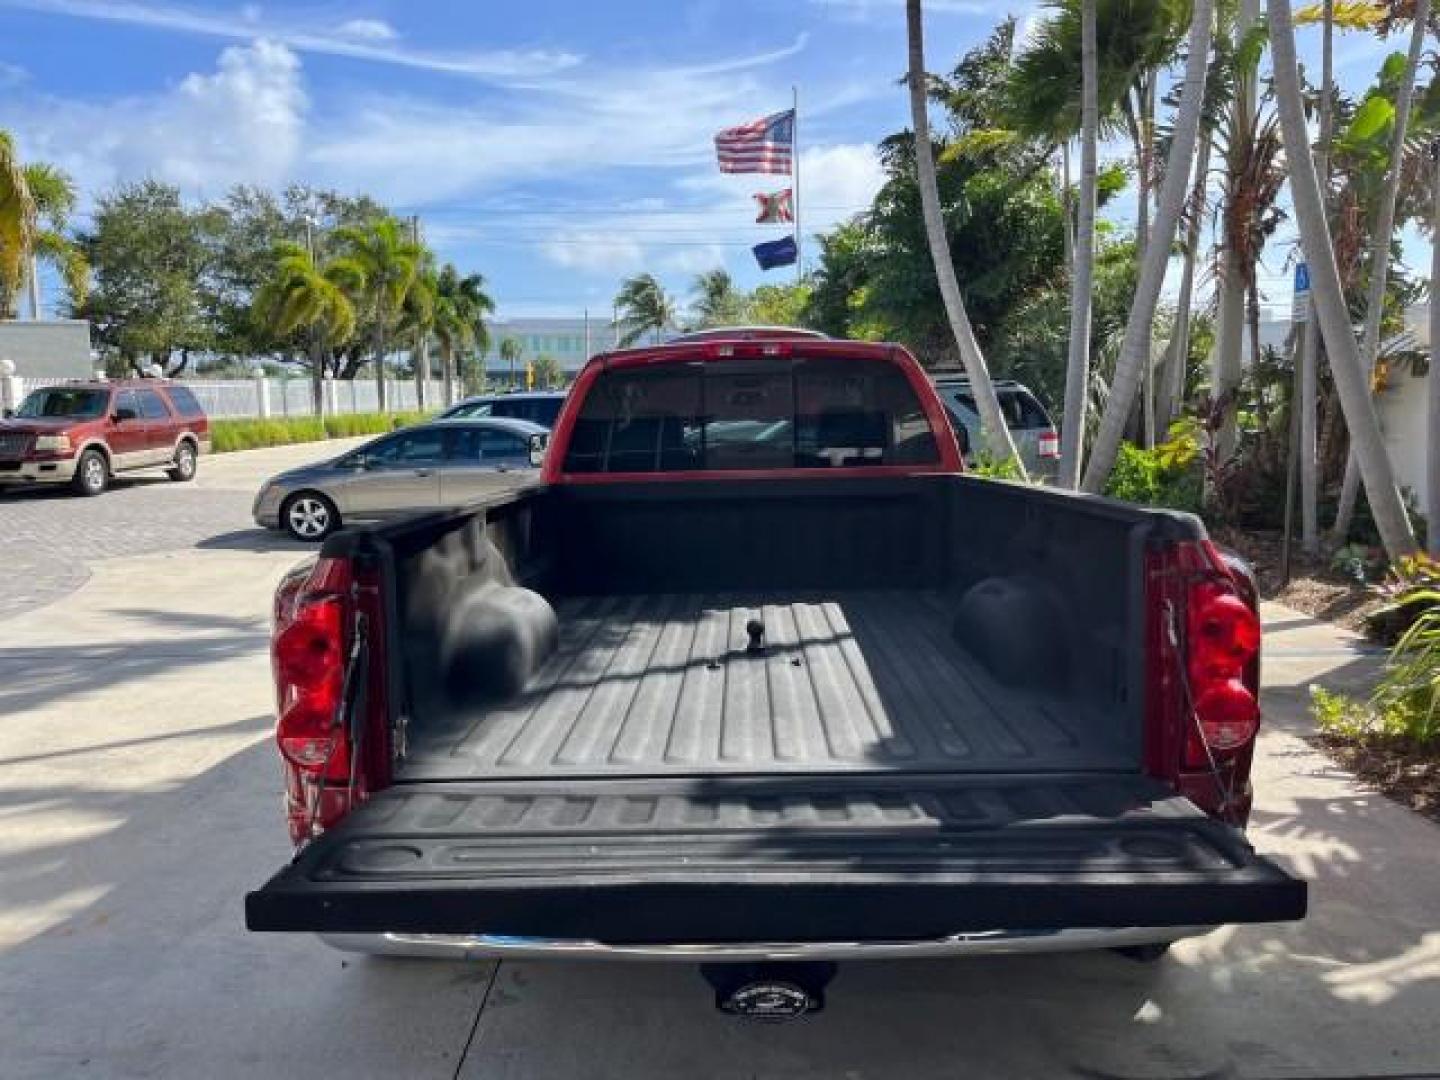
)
(778, 207)
(761, 146)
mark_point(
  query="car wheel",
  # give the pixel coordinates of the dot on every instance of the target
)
(309, 516)
(92, 473)
(185, 463)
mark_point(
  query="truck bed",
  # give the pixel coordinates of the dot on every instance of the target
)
(847, 681)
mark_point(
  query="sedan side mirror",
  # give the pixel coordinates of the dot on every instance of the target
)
(538, 446)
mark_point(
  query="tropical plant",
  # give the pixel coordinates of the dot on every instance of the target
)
(417, 322)
(312, 300)
(1329, 300)
(1134, 356)
(1405, 705)
(642, 307)
(1382, 232)
(36, 201)
(1082, 271)
(547, 371)
(717, 301)
(390, 262)
(1410, 588)
(997, 433)
(510, 350)
(461, 305)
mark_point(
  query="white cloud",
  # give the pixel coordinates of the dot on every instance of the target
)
(369, 30)
(308, 36)
(595, 252)
(12, 75)
(242, 123)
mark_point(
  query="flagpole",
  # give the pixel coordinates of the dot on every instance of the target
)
(795, 157)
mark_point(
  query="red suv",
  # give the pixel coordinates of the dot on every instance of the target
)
(83, 433)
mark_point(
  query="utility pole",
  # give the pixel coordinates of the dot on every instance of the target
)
(795, 157)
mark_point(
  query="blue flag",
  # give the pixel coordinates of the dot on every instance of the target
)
(776, 253)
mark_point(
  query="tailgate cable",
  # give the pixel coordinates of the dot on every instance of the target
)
(1222, 786)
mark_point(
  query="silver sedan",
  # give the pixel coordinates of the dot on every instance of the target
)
(442, 463)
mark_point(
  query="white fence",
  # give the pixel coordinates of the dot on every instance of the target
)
(262, 397)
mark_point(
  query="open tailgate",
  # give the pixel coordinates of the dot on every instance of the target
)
(778, 859)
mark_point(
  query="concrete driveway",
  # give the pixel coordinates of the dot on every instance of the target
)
(138, 803)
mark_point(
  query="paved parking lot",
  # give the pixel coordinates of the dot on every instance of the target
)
(138, 802)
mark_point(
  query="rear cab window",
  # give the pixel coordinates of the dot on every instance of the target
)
(184, 402)
(741, 415)
(1021, 410)
(151, 405)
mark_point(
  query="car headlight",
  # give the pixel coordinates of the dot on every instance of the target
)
(52, 443)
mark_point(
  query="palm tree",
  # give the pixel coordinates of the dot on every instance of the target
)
(1002, 446)
(717, 301)
(461, 305)
(643, 305)
(1237, 135)
(1082, 274)
(1134, 355)
(417, 321)
(1381, 237)
(390, 262)
(36, 201)
(548, 373)
(1329, 299)
(510, 350)
(1310, 333)
(1432, 391)
(305, 297)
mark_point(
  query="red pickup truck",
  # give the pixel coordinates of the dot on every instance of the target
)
(757, 674)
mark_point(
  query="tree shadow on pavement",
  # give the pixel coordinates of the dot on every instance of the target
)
(41, 675)
(123, 949)
(256, 539)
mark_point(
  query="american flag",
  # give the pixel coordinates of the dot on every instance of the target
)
(761, 146)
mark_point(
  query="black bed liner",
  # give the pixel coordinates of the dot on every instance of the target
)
(849, 680)
(818, 858)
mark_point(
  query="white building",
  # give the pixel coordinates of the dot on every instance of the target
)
(1401, 403)
(568, 341)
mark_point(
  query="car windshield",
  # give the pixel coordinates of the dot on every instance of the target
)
(64, 402)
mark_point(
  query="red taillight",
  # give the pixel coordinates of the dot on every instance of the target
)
(1203, 676)
(309, 674)
(1222, 638)
(1048, 445)
(308, 654)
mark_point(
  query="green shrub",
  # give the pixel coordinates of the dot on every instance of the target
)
(1406, 704)
(228, 435)
(1409, 589)
(1168, 475)
(993, 468)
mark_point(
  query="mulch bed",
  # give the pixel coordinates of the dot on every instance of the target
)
(1406, 773)
(1313, 588)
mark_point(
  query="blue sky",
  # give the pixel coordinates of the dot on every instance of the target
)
(555, 146)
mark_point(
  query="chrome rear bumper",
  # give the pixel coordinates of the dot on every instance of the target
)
(992, 943)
